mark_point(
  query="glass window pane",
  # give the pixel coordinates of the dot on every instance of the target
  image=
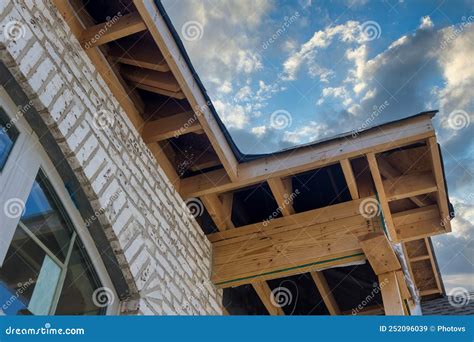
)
(45, 217)
(8, 136)
(78, 296)
(19, 274)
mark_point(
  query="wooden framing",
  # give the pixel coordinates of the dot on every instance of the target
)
(391, 295)
(171, 127)
(441, 195)
(282, 191)
(167, 45)
(309, 158)
(325, 293)
(220, 214)
(112, 30)
(382, 197)
(379, 253)
(350, 179)
(265, 294)
(288, 243)
(296, 242)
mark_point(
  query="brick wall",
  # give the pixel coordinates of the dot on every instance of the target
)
(162, 252)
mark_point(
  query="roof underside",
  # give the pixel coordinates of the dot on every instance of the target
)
(274, 220)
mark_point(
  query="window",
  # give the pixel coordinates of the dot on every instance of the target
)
(49, 263)
(8, 136)
(46, 270)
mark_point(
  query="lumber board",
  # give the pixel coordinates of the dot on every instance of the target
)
(379, 253)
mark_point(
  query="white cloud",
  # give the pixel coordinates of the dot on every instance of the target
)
(347, 32)
(310, 132)
(259, 130)
(425, 22)
(225, 88)
(233, 116)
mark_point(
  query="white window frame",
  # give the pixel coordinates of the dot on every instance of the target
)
(23, 164)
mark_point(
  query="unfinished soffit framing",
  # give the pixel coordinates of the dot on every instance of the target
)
(271, 217)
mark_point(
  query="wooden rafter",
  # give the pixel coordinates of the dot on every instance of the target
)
(391, 296)
(220, 214)
(410, 185)
(139, 55)
(116, 28)
(305, 159)
(441, 195)
(282, 190)
(389, 172)
(374, 170)
(171, 127)
(180, 69)
(325, 292)
(379, 253)
(265, 294)
(350, 179)
(418, 223)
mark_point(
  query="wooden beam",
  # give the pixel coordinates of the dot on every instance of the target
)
(405, 293)
(265, 295)
(184, 75)
(116, 28)
(288, 243)
(350, 179)
(139, 55)
(388, 171)
(219, 214)
(282, 190)
(379, 252)
(163, 161)
(418, 223)
(155, 79)
(179, 95)
(170, 127)
(391, 296)
(409, 185)
(116, 85)
(374, 170)
(441, 195)
(433, 264)
(303, 159)
(325, 293)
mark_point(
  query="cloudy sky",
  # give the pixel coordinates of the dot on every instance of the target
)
(283, 73)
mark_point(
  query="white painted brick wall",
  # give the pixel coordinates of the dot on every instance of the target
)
(163, 253)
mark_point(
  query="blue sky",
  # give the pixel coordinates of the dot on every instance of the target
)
(283, 73)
